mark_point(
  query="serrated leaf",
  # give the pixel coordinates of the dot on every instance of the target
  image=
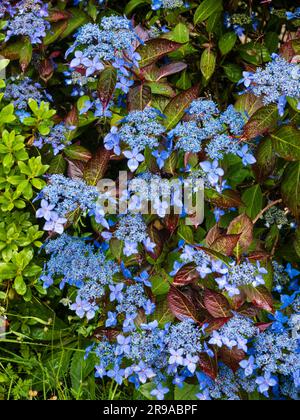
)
(106, 85)
(162, 313)
(178, 105)
(58, 165)
(248, 103)
(186, 393)
(253, 200)
(225, 244)
(180, 305)
(226, 200)
(260, 297)
(216, 304)
(155, 49)
(208, 63)
(76, 152)
(262, 122)
(97, 167)
(139, 97)
(186, 275)
(169, 69)
(227, 42)
(243, 226)
(265, 160)
(286, 142)
(213, 234)
(206, 9)
(232, 357)
(290, 188)
(208, 365)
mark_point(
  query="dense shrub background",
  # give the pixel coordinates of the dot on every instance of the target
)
(52, 126)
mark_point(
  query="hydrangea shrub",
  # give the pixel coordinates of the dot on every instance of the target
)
(124, 288)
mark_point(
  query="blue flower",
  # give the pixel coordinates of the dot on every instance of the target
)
(265, 382)
(117, 374)
(292, 272)
(116, 292)
(111, 319)
(112, 141)
(218, 214)
(46, 211)
(247, 158)
(159, 392)
(128, 324)
(248, 366)
(161, 157)
(135, 158)
(295, 15)
(144, 279)
(144, 372)
(130, 248)
(123, 346)
(213, 171)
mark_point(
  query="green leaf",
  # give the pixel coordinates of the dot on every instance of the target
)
(227, 42)
(186, 393)
(77, 152)
(80, 369)
(290, 188)
(208, 63)
(162, 313)
(3, 63)
(132, 5)
(296, 242)
(248, 103)
(176, 108)
(206, 9)
(25, 55)
(97, 166)
(58, 165)
(253, 200)
(155, 49)
(78, 19)
(20, 286)
(286, 143)
(160, 283)
(262, 122)
(139, 97)
(180, 33)
(265, 159)
(7, 271)
(57, 29)
(233, 72)
(186, 233)
(106, 85)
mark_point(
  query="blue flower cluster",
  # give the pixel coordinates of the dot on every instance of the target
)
(138, 130)
(114, 42)
(57, 138)
(236, 333)
(276, 83)
(29, 19)
(240, 21)
(19, 91)
(151, 189)
(132, 230)
(167, 4)
(63, 197)
(76, 262)
(238, 275)
(293, 15)
(210, 130)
